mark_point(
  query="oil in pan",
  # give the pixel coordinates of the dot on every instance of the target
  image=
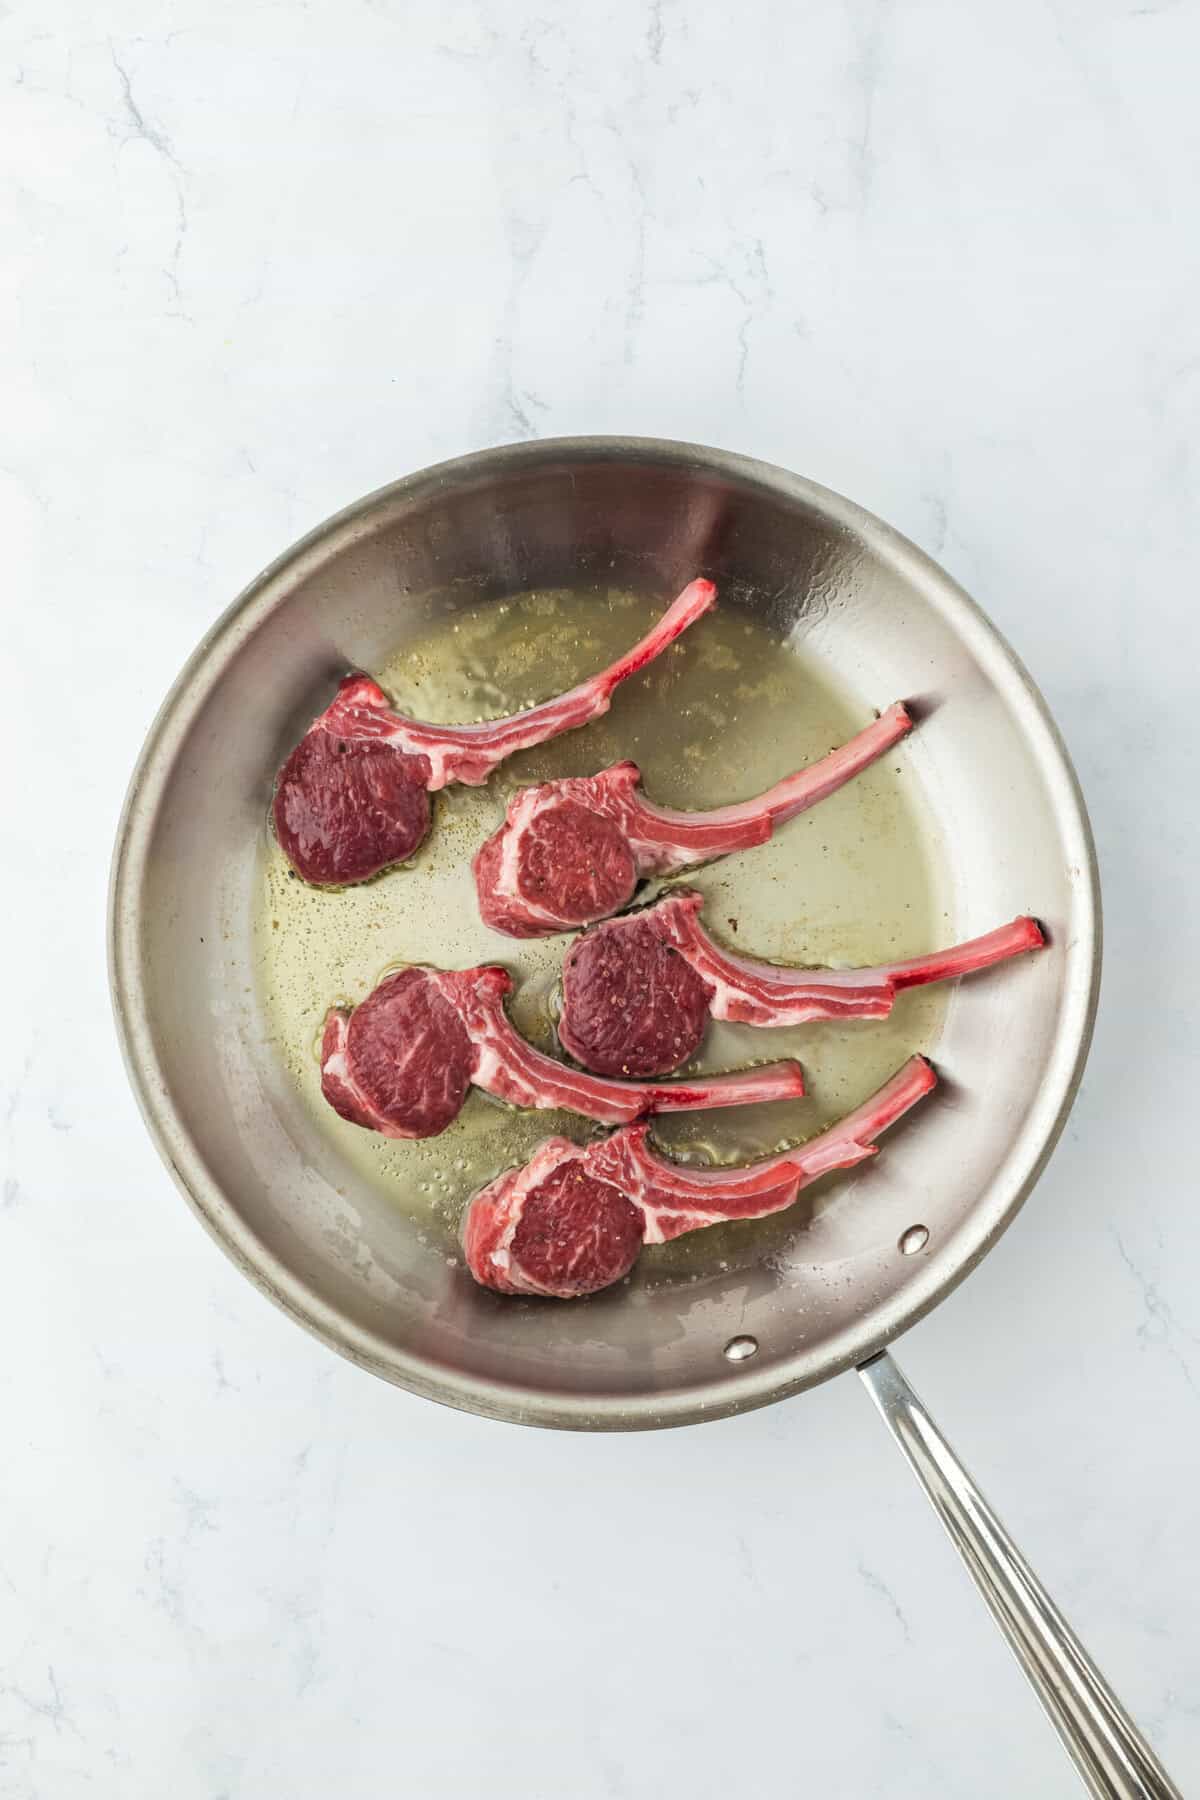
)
(722, 715)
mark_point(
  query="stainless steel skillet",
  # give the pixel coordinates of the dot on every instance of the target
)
(330, 1248)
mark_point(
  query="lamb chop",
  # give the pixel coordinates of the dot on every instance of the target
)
(574, 1219)
(639, 991)
(571, 852)
(353, 796)
(401, 1062)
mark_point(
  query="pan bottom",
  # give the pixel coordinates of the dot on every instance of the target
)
(725, 713)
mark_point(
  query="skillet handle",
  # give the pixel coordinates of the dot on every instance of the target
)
(1110, 1753)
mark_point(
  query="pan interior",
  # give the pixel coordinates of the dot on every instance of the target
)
(723, 715)
(478, 589)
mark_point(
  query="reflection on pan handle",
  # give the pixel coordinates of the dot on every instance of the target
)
(1108, 1750)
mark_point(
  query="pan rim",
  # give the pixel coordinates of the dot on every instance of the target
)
(728, 1391)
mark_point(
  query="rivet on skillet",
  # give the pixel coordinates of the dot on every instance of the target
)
(914, 1239)
(740, 1349)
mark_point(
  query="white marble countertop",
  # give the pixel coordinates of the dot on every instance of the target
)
(259, 260)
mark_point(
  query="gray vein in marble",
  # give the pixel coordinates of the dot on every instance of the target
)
(878, 1585)
(32, 487)
(1160, 1324)
(530, 38)
(939, 519)
(655, 31)
(867, 70)
(746, 1559)
(16, 1092)
(164, 1591)
(53, 1709)
(616, 1783)
(583, 173)
(29, 1748)
(751, 287)
(22, 81)
(524, 240)
(158, 140)
(197, 1510)
(224, 1385)
(897, 1727)
(140, 128)
(1096, 84)
(635, 287)
(686, 100)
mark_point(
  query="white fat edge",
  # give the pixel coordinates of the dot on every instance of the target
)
(437, 755)
(523, 810)
(636, 1182)
(521, 814)
(488, 1065)
(335, 1063)
(450, 984)
(654, 856)
(697, 1221)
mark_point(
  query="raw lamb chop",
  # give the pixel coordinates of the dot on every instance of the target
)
(353, 796)
(574, 1219)
(402, 1061)
(571, 852)
(639, 991)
